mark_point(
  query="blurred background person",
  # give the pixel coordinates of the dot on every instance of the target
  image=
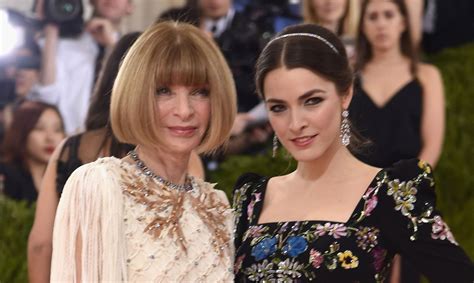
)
(339, 16)
(398, 101)
(72, 58)
(25, 74)
(34, 133)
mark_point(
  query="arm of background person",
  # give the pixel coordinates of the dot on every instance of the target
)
(415, 14)
(433, 117)
(40, 239)
(47, 89)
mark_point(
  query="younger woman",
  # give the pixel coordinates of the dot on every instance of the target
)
(334, 219)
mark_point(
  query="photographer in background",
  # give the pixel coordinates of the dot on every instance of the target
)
(72, 55)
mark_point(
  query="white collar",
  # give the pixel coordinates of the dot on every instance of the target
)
(220, 24)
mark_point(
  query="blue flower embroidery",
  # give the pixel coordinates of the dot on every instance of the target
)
(295, 246)
(265, 248)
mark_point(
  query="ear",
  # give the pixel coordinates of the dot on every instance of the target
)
(347, 98)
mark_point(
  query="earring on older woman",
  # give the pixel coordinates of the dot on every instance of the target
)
(345, 129)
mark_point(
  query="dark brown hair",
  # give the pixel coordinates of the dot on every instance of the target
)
(364, 49)
(309, 53)
(24, 121)
(313, 54)
(99, 110)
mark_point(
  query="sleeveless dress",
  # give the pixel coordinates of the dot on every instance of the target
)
(396, 214)
(69, 160)
(17, 183)
(134, 229)
(394, 129)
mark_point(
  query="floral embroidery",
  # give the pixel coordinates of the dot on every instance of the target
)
(424, 166)
(295, 246)
(370, 205)
(295, 250)
(348, 260)
(238, 263)
(379, 255)
(315, 258)
(330, 257)
(440, 230)
(367, 238)
(335, 230)
(264, 248)
(404, 194)
(240, 196)
(255, 198)
(255, 231)
(289, 269)
(260, 270)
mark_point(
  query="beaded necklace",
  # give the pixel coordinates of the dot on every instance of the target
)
(187, 186)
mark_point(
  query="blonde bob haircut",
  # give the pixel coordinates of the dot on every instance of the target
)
(171, 53)
(348, 23)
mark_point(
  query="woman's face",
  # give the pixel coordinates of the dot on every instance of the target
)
(44, 137)
(304, 111)
(25, 79)
(183, 115)
(329, 11)
(383, 24)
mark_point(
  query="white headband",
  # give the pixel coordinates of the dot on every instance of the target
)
(308, 35)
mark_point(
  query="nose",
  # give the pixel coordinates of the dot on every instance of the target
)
(184, 108)
(297, 122)
(51, 135)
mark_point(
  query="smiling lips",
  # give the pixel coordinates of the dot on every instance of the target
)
(303, 141)
(183, 131)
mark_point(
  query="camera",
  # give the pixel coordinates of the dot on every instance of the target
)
(63, 11)
(67, 14)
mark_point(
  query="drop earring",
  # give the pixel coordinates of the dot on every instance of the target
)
(345, 129)
(275, 146)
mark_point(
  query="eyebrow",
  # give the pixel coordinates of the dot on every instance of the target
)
(302, 97)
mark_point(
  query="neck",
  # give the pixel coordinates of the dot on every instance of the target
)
(115, 23)
(389, 56)
(332, 26)
(337, 161)
(36, 169)
(170, 166)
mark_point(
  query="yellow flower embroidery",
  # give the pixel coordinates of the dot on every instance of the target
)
(425, 166)
(348, 260)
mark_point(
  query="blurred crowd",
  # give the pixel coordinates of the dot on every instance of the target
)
(55, 88)
(57, 66)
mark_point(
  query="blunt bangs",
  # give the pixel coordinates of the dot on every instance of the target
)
(182, 63)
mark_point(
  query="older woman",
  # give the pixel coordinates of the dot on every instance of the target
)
(143, 218)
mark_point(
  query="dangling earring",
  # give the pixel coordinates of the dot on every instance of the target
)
(345, 129)
(275, 146)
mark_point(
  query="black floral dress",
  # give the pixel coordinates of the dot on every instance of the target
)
(396, 214)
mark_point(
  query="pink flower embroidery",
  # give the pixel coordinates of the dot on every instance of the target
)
(238, 263)
(338, 230)
(379, 255)
(255, 198)
(440, 230)
(315, 258)
(335, 230)
(370, 204)
(254, 231)
(322, 230)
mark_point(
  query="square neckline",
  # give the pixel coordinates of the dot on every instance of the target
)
(263, 189)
